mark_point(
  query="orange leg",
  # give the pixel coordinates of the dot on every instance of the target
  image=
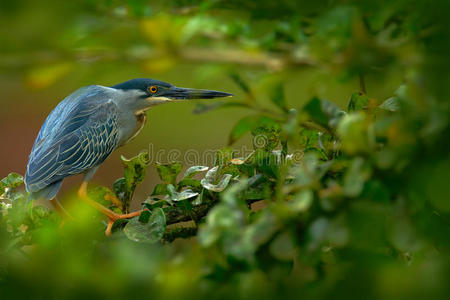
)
(116, 201)
(112, 216)
(60, 209)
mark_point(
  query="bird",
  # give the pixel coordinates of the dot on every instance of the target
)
(87, 126)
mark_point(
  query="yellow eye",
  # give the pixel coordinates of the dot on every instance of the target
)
(153, 89)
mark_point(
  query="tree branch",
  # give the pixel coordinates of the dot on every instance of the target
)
(176, 215)
(179, 232)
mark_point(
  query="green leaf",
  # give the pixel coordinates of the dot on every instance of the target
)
(302, 201)
(221, 221)
(266, 135)
(223, 156)
(355, 177)
(278, 98)
(180, 196)
(151, 204)
(188, 182)
(99, 193)
(258, 188)
(135, 169)
(259, 123)
(266, 162)
(323, 112)
(243, 126)
(353, 132)
(210, 182)
(309, 138)
(134, 173)
(145, 216)
(283, 247)
(199, 199)
(391, 104)
(194, 170)
(120, 188)
(315, 112)
(39, 213)
(358, 102)
(12, 181)
(169, 172)
(237, 79)
(150, 232)
(253, 236)
(160, 189)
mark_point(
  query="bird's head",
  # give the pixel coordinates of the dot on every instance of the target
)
(142, 93)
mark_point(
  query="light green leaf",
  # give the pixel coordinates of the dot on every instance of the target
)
(353, 131)
(194, 170)
(302, 201)
(134, 172)
(180, 196)
(169, 172)
(355, 177)
(358, 102)
(222, 222)
(99, 194)
(12, 181)
(120, 188)
(243, 126)
(209, 182)
(135, 168)
(391, 104)
(199, 199)
(323, 112)
(150, 232)
(283, 247)
(160, 189)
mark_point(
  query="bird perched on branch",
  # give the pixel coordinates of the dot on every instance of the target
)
(87, 126)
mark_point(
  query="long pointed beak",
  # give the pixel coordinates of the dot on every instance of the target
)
(177, 93)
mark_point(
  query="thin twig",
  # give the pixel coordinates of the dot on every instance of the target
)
(362, 84)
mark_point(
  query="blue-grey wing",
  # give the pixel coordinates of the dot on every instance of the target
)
(78, 135)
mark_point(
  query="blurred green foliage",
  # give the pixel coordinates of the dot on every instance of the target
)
(331, 202)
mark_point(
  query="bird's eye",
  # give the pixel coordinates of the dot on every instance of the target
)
(153, 89)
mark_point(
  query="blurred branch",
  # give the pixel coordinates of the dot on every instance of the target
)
(179, 232)
(268, 60)
(209, 55)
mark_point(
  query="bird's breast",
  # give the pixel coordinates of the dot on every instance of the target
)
(141, 118)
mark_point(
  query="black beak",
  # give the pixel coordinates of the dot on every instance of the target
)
(177, 93)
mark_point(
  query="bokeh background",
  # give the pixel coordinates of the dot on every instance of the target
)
(49, 49)
(375, 226)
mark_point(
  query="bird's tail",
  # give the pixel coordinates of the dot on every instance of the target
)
(49, 192)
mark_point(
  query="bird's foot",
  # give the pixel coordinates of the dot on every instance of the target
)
(116, 217)
(112, 216)
(114, 200)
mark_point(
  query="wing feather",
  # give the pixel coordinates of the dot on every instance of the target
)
(79, 134)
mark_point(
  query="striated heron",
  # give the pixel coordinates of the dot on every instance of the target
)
(87, 126)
